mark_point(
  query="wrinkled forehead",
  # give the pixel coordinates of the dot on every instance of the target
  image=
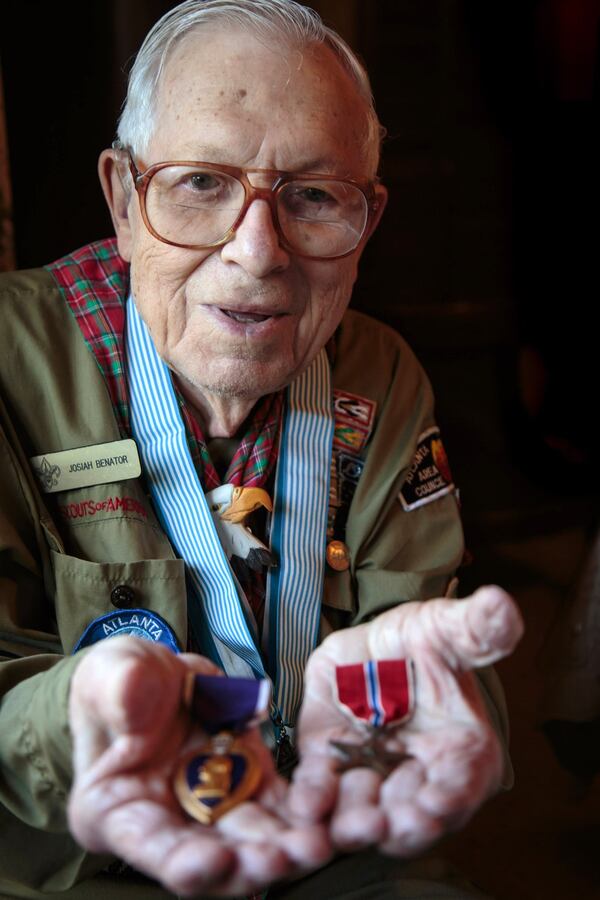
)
(272, 105)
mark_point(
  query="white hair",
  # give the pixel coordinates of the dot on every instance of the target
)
(268, 19)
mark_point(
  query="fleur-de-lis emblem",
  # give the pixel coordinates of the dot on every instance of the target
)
(47, 474)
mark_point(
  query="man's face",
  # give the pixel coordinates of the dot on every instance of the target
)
(244, 319)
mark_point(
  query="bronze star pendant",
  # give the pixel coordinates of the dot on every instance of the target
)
(371, 754)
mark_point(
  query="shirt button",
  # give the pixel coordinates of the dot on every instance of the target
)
(122, 596)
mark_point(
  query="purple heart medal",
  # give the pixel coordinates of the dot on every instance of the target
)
(215, 777)
(378, 695)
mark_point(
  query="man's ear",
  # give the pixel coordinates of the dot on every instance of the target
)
(381, 196)
(114, 178)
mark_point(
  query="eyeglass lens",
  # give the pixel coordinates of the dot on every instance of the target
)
(198, 206)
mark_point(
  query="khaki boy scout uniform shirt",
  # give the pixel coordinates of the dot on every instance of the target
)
(58, 570)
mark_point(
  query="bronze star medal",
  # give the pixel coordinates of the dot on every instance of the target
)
(371, 755)
(378, 696)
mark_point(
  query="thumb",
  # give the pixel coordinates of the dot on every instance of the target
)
(469, 633)
(124, 682)
(123, 687)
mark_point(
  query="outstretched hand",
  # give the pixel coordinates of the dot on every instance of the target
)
(455, 758)
(129, 730)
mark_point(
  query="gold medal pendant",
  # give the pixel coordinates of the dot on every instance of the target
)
(211, 780)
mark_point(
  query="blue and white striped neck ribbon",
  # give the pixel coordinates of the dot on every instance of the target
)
(219, 613)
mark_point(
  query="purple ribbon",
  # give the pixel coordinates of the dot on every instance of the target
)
(228, 704)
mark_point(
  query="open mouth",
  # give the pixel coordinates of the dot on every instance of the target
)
(246, 318)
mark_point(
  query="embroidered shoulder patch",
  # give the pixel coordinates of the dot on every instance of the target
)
(429, 476)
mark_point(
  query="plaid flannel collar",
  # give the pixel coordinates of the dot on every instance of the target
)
(94, 281)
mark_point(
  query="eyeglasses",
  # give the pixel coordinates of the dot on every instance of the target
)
(200, 205)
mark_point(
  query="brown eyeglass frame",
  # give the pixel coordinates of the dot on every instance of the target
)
(141, 180)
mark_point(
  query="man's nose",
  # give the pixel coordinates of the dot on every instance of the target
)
(255, 245)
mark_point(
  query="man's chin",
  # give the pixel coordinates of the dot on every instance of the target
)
(243, 381)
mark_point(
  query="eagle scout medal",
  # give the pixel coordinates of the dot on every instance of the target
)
(221, 773)
(377, 696)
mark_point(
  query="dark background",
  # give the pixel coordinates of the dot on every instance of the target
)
(486, 260)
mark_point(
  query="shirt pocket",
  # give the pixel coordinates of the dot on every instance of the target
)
(85, 590)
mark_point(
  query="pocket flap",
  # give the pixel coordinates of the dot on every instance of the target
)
(87, 590)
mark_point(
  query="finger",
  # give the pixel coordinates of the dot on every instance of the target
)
(249, 822)
(313, 791)
(494, 626)
(358, 820)
(149, 834)
(204, 864)
(467, 633)
(308, 847)
(259, 864)
(403, 784)
(153, 837)
(190, 864)
(305, 847)
(410, 830)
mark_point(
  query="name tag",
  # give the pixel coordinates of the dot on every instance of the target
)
(86, 466)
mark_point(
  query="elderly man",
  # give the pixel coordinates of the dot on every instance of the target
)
(158, 391)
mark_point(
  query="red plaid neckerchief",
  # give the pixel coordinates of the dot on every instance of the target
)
(94, 282)
(253, 460)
